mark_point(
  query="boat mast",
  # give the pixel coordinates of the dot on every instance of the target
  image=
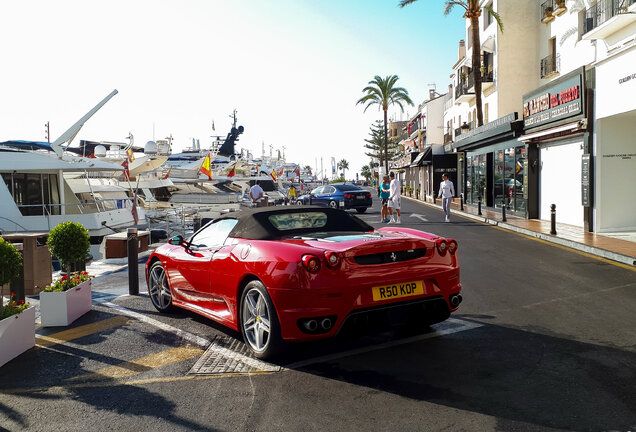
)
(70, 134)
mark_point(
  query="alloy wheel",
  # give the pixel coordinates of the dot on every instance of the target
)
(159, 290)
(256, 320)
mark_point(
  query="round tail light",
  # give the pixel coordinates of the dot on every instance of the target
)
(332, 259)
(442, 247)
(311, 263)
(452, 246)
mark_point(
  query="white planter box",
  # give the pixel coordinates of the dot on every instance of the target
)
(17, 334)
(63, 307)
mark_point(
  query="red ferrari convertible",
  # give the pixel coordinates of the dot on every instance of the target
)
(302, 273)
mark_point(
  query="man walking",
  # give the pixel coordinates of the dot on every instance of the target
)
(447, 193)
(394, 199)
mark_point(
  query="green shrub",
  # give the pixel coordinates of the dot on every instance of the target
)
(10, 268)
(69, 242)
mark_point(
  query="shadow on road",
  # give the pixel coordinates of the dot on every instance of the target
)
(506, 373)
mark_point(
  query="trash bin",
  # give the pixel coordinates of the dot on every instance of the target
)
(36, 257)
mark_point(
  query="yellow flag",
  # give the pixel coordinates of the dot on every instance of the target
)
(205, 167)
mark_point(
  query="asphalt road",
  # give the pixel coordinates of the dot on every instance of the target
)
(544, 340)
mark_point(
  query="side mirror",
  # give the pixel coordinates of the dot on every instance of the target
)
(176, 241)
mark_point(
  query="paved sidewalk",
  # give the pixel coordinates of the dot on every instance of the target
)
(622, 249)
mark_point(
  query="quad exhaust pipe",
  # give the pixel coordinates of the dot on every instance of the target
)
(317, 325)
(455, 300)
(311, 325)
(325, 324)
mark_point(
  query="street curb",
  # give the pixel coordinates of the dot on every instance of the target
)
(614, 256)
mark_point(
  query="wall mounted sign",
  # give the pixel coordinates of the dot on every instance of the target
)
(561, 100)
(585, 180)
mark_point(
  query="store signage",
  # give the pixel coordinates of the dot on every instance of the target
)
(560, 101)
(627, 78)
(585, 180)
(488, 126)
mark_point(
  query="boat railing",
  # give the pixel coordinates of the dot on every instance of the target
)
(87, 207)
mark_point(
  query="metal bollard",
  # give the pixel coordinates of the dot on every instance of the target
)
(196, 223)
(553, 219)
(479, 206)
(461, 202)
(133, 273)
(503, 212)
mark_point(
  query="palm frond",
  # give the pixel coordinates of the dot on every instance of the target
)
(450, 4)
(496, 16)
(406, 2)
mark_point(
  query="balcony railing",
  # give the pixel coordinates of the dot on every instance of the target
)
(602, 11)
(448, 137)
(547, 10)
(550, 65)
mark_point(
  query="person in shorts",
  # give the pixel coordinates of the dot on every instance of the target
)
(385, 193)
(394, 199)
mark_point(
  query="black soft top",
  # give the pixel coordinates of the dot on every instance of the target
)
(254, 224)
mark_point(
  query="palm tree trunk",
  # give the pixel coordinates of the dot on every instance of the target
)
(386, 145)
(474, 25)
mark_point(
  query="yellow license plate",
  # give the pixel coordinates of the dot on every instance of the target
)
(403, 289)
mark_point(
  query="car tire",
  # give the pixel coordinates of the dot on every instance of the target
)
(333, 204)
(361, 210)
(259, 322)
(158, 288)
(299, 203)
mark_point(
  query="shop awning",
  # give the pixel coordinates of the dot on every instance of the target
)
(424, 158)
(570, 127)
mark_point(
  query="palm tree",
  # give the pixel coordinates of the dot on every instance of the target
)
(382, 92)
(343, 165)
(472, 13)
(365, 172)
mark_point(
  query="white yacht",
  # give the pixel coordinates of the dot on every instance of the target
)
(37, 192)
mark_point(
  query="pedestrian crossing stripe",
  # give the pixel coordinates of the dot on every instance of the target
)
(80, 331)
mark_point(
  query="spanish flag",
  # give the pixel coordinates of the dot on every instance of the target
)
(129, 152)
(205, 167)
(273, 174)
(166, 175)
(232, 173)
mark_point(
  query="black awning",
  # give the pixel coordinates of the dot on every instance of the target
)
(424, 158)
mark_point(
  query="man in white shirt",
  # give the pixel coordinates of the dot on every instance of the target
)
(394, 199)
(256, 193)
(447, 193)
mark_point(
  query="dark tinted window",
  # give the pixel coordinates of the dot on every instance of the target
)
(347, 187)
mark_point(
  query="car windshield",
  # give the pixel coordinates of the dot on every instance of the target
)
(293, 221)
(347, 187)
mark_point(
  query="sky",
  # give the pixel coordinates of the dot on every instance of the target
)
(292, 69)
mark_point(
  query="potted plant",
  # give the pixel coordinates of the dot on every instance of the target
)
(17, 319)
(70, 243)
(69, 297)
(66, 299)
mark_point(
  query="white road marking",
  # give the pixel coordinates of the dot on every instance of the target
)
(192, 338)
(441, 329)
(419, 216)
(460, 325)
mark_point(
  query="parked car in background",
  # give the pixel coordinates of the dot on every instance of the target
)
(338, 195)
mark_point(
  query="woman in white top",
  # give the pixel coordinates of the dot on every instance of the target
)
(447, 193)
